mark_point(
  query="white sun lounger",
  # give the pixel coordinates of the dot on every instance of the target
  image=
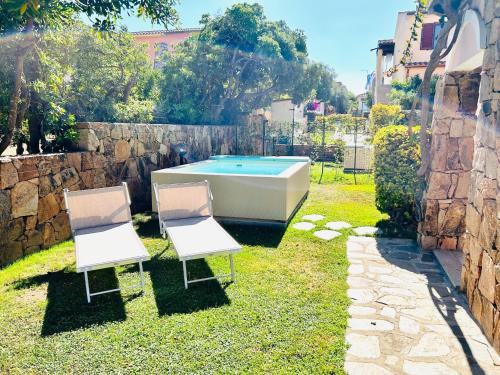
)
(186, 218)
(102, 228)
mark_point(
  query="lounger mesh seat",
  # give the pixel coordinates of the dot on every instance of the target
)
(186, 218)
(102, 229)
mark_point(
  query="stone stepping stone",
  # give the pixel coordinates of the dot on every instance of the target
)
(370, 324)
(303, 226)
(363, 346)
(364, 231)
(327, 235)
(336, 225)
(313, 217)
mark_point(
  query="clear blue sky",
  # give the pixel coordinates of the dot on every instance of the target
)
(340, 33)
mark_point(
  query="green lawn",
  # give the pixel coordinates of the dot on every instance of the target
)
(287, 313)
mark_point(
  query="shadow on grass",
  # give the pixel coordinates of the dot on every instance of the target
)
(168, 286)
(67, 308)
(146, 225)
(256, 235)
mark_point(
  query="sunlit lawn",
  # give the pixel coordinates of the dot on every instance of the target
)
(287, 313)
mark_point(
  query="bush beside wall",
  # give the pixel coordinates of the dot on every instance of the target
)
(397, 159)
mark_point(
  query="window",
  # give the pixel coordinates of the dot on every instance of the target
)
(437, 30)
(427, 36)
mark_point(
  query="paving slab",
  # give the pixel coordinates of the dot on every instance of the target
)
(326, 234)
(313, 217)
(337, 225)
(408, 315)
(303, 226)
(364, 231)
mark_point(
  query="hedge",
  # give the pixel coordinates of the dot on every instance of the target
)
(397, 159)
(382, 115)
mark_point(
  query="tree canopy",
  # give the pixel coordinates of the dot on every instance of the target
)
(239, 62)
(23, 21)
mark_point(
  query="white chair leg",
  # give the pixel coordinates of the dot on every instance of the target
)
(142, 276)
(231, 262)
(185, 274)
(87, 288)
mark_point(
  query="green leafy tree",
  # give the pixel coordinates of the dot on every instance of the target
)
(24, 20)
(240, 61)
(403, 93)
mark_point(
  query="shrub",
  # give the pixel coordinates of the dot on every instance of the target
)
(397, 159)
(138, 111)
(383, 115)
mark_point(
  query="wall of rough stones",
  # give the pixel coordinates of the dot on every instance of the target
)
(481, 269)
(461, 204)
(31, 198)
(452, 147)
(133, 151)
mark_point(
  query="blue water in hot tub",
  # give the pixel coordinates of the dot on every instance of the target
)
(250, 165)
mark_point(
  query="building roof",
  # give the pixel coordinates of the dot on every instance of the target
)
(417, 64)
(154, 32)
(386, 45)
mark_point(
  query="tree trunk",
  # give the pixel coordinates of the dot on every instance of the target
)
(35, 130)
(15, 96)
(424, 89)
(14, 101)
(128, 89)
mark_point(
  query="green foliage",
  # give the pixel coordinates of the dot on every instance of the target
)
(104, 14)
(340, 98)
(60, 126)
(397, 159)
(22, 27)
(382, 115)
(345, 123)
(80, 75)
(336, 148)
(135, 111)
(403, 93)
(240, 61)
(95, 72)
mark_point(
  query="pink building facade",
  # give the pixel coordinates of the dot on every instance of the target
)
(161, 41)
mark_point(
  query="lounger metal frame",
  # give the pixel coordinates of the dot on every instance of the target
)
(163, 231)
(86, 270)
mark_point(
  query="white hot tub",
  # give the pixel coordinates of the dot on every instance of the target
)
(247, 188)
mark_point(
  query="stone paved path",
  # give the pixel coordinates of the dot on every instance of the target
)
(405, 316)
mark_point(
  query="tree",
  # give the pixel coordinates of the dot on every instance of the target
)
(341, 98)
(403, 93)
(25, 19)
(239, 62)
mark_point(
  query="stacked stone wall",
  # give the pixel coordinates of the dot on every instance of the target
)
(133, 151)
(452, 148)
(481, 268)
(32, 213)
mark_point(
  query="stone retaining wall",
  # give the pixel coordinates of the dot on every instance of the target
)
(452, 148)
(31, 198)
(133, 151)
(481, 269)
